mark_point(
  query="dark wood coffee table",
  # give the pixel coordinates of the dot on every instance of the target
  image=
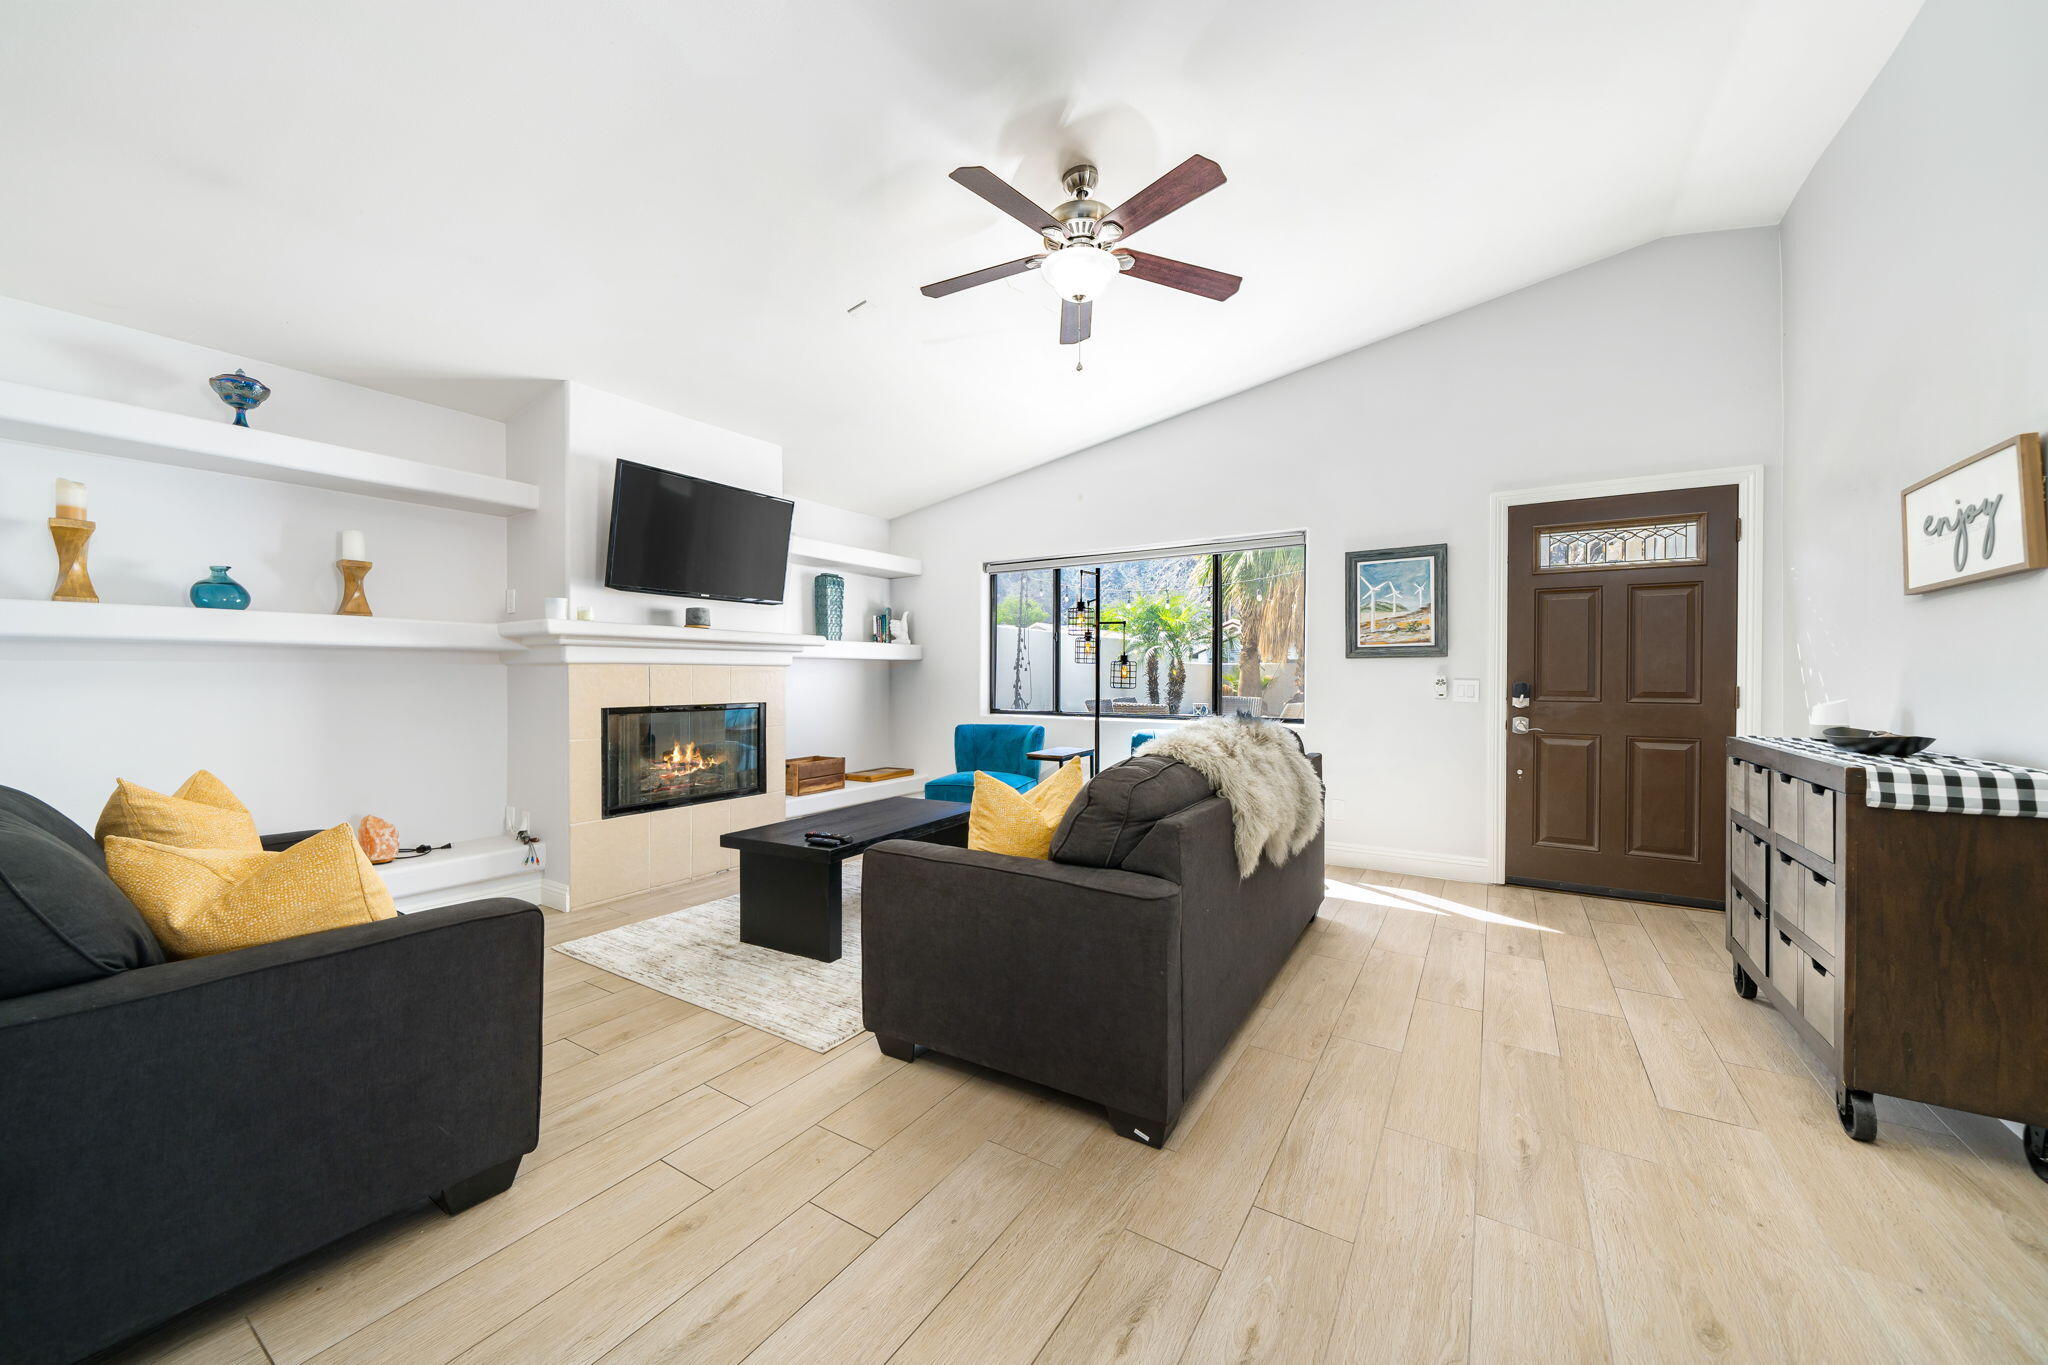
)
(789, 890)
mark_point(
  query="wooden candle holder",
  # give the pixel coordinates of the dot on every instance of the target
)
(353, 603)
(74, 584)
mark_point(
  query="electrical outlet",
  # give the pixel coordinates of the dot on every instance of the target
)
(1465, 689)
(1443, 687)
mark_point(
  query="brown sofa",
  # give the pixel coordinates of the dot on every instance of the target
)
(1117, 971)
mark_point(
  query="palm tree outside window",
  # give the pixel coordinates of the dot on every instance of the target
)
(1217, 631)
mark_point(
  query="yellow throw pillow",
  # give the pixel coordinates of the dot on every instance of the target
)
(1005, 820)
(203, 814)
(214, 900)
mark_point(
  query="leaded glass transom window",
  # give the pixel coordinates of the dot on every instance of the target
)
(1619, 545)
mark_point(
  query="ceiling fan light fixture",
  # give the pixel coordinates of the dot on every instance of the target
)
(1079, 271)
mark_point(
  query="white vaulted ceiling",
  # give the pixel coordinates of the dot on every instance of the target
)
(679, 202)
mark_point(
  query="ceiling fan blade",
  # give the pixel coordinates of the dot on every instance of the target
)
(1182, 185)
(1189, 279)
(1076, 321)
(982, 276)
(1006, 197)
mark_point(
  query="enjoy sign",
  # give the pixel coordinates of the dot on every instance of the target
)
(1977, 519)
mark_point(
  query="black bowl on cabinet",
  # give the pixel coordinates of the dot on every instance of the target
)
(1877, 743)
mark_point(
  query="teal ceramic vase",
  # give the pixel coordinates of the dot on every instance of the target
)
(220, 592)
(828, 598)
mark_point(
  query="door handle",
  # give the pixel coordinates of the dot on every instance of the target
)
(1521, 726)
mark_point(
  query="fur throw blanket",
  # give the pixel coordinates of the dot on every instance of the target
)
(1260, 768)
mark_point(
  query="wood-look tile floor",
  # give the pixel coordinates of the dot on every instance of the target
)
(1467, 1123)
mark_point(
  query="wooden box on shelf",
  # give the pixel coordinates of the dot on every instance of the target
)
(878, 774)
(813, 773)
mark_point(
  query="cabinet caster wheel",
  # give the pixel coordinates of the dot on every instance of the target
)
(1745, 984)
(1858, 1113)
(2037, 1149)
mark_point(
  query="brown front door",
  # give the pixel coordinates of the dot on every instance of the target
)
(1621, 634)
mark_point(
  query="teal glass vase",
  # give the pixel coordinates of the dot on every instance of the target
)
(220, 592)
(828, 599)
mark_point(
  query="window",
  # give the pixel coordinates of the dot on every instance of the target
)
(1167, 630)
(1263, 641)
(1024, 640)
(1169, 618)
(1610, 545)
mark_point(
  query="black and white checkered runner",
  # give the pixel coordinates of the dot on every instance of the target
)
(1934, 782)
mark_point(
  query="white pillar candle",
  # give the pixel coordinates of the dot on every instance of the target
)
(71, 499)
(352, 545)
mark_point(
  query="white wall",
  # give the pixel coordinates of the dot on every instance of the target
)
(1665, 358)
(841, 707)
(604, 428)
(306, 739)
(73, 354)
(567, 441)
(1916, 314)
(312, 739)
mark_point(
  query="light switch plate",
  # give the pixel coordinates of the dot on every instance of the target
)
(1464, 689)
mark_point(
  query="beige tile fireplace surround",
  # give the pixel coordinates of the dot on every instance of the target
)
(628, 854)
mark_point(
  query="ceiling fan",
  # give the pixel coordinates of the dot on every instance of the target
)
(1078, 262)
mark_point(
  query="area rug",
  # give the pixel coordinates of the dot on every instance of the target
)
(696, 955)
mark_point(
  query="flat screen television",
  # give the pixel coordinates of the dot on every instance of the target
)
(690, 537)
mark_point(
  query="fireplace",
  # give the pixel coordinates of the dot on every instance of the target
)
(656, 757)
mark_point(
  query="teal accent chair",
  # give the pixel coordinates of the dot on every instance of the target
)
(997, 750)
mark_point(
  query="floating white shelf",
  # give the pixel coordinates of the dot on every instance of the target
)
(823, 554)
(123, 623)
(865, 649)
(854, 794)
(98, 426)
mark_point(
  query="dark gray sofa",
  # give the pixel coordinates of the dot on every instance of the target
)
(1118, 971)
(170, 1130)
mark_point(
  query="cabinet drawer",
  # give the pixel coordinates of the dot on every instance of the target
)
(1755, 930)
(1820, 910)
(1738, 786)
(1817, 819)
(1819, 994)
(1788, 890)
(1788, 968)
(1785, 790)
(1749, 855)
(1757, 782)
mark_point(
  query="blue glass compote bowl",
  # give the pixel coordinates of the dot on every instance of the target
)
(240, 392)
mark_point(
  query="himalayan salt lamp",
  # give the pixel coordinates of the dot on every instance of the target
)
(379, 839)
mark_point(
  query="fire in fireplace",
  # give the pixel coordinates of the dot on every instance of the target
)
(661, 756)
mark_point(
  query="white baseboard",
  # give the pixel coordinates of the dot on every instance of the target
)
(554, 895)
(1450, 867)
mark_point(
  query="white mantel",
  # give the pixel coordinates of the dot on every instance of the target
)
(617, 642)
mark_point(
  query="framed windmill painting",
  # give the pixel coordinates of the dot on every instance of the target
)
(1394, 603)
